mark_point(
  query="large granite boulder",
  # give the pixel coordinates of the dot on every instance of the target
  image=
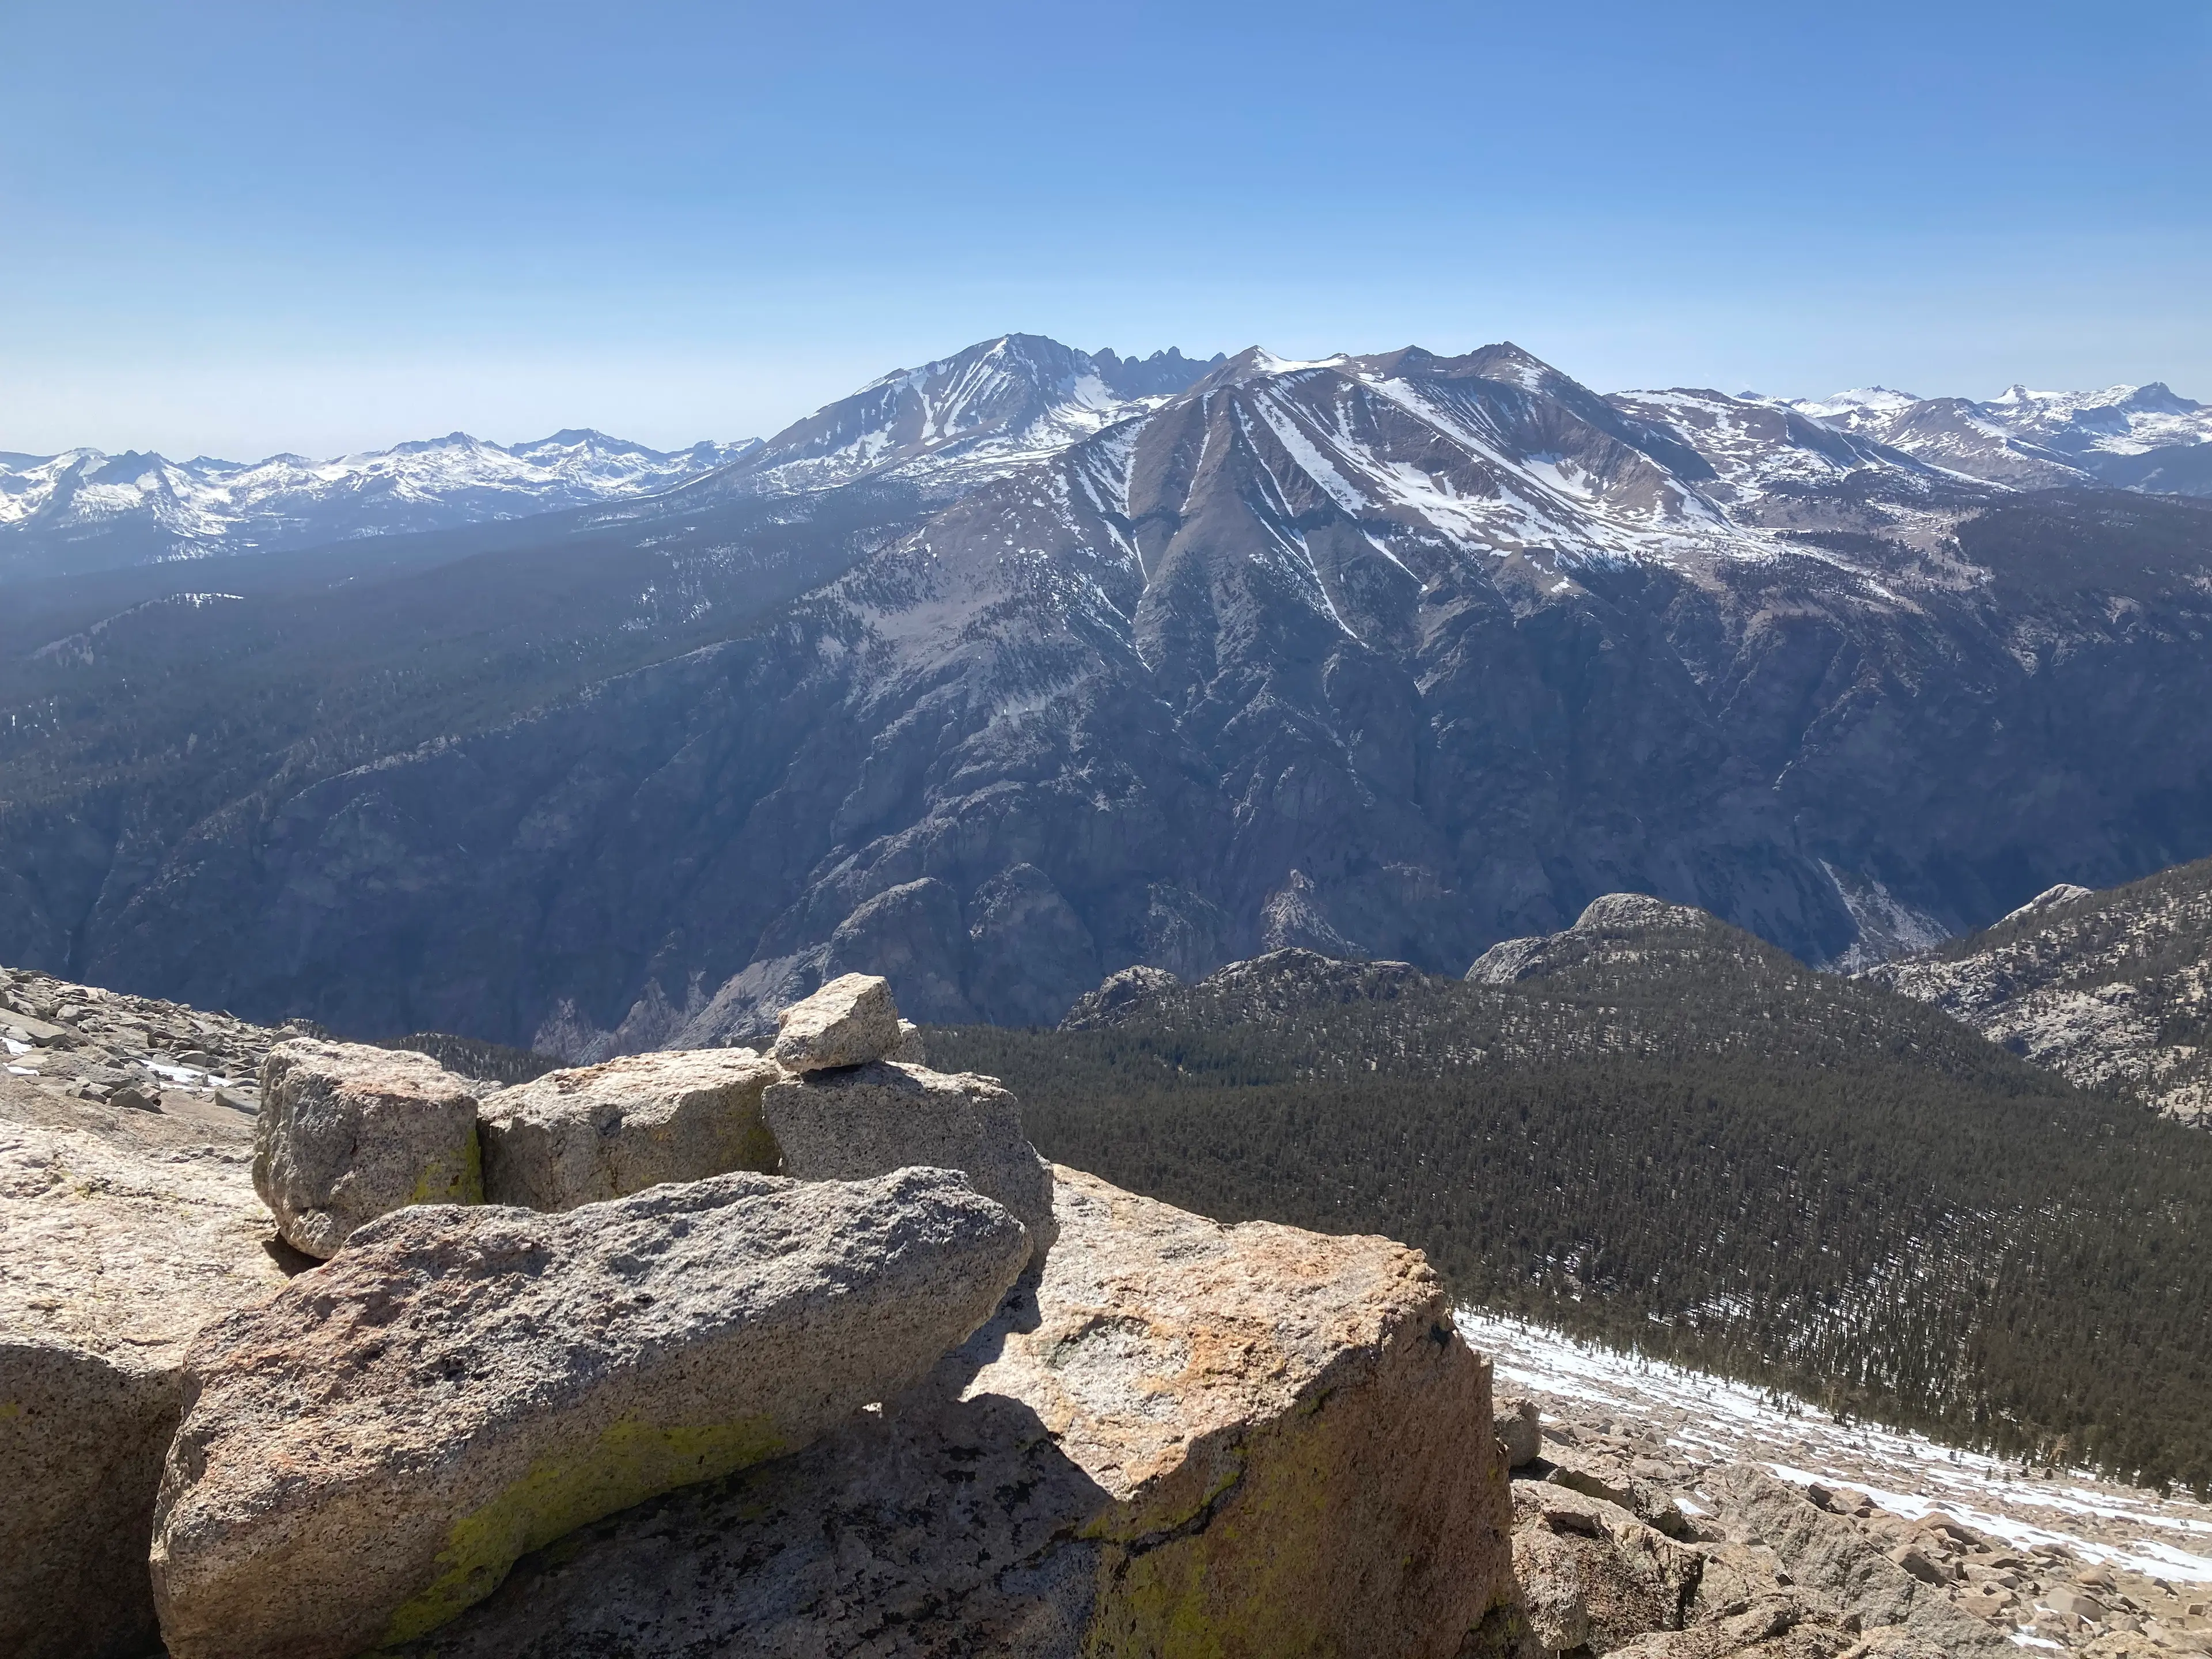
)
(121, 1232)
(366, 1454)
(849, 1124)
(601, 1132)
(1181, 1438)
(348, 1132)
(848, 1022)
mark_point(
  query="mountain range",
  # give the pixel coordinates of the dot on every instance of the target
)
(949, 423)
(1029, 665)
(84, 510)
(2133, 437)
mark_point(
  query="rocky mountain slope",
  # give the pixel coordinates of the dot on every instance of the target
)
(2111, 988)
(2049, 1557)
(83, 510)
(910, 1418)
(1653, 1129)
(1393, 656)
(2132, 437)
(867, 1410)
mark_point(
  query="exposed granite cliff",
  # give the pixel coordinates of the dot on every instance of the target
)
(2112, 989)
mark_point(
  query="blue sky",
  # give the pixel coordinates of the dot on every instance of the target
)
(234, 229)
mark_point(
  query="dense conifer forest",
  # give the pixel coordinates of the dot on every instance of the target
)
(1677, 1139)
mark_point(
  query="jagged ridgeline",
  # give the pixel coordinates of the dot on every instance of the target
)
(1659, 1132)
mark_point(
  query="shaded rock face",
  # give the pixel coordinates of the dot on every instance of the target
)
(1334, 656)
(1591, 1574)
(364, 1456)
(849, 1124)
(120, 1232)
(1183, 1437)
(1130, 987)
(582, 1136)
(348, 1132)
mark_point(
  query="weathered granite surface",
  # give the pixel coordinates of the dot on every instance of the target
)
(348, 1132)
(600, 1132)
(1183, 1438)
(861, 1120)
(364, 1455)
(121, 1231)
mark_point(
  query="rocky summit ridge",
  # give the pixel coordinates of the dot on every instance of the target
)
(693, 1406)
(1073, 1421)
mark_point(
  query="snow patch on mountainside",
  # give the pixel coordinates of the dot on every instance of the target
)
(1716, 1421)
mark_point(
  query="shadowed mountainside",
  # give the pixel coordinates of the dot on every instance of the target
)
(1393, 656)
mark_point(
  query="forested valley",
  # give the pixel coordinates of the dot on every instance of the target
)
(1675, 1139)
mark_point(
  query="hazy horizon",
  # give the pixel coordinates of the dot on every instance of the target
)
(247, 228)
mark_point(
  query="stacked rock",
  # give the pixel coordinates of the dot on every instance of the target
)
(601, 1132)
(669, 1266)
(852, 1111)
(347, 1132)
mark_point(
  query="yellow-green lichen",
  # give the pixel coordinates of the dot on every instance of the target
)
(446, 1181)
(1243, 1579)
(629, 1463)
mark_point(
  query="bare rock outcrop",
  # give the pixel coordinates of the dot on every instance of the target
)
(121, 1232)
(1591, 1574)
(366, 1454)
(600, 1132)
(1181, 1437)
(851, 1123)
(348, 1132)
(1824, 1552)
(848, 1022)
(1125, 989)
(1600, 928)
(2110, 988)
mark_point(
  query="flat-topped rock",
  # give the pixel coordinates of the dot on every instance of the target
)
(848, 1022)
(849, 1124)
(363, 1455)
(121, 1232)
(601, 1132)
(1181, 1438)
(348, 1132)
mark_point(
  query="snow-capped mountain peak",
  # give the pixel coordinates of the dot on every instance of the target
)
(1873, 398)
(952, 422)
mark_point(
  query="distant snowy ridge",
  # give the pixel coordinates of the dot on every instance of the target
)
(2137, 437)
(84, 509)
